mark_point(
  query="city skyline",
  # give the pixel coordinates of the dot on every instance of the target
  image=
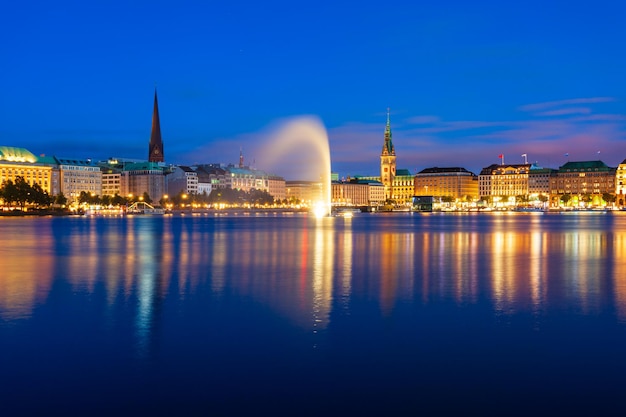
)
(464, 84)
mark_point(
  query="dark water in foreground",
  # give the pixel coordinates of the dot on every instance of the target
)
(290, 315)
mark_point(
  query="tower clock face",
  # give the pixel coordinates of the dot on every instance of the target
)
(156, 152)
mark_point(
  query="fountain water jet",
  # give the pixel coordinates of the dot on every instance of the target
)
(306, 136)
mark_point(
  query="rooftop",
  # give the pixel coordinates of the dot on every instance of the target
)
(11, 154)
(437, 170)
(584, 166)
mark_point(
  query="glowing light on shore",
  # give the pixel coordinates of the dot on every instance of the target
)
(320, 209)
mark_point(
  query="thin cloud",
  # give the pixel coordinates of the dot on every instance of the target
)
(423, 120)
(560, 103)
(426, 140)
(566, 111)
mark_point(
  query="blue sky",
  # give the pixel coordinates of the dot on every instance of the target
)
(465, 82)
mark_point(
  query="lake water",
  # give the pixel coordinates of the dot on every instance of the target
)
(286, 314)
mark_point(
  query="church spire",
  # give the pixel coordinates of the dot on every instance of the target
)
(240, 157)
(388, 148)
(155, 149)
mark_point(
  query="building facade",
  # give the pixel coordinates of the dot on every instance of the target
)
(403, 187)
(455, 182)
(111, 179)
(357, 193)
(247, 179)
(276, 187)
(306, 192)
(584, 182)
(620, 184)
(183, 180)
(204, 182)
(218, 176)
(539, 183)
(77, 176)
(503, 183)
(143, 177)
(19, 162)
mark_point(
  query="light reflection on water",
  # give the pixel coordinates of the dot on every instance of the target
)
(391, 298)
(519, 263)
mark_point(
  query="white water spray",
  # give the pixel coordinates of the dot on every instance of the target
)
(305, 137)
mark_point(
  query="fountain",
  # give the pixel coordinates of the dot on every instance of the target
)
(304, 141)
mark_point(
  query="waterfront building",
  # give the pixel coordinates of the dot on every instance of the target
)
(376, 192)
(305, 192)
(204, 182)
(584, 183)
(155, 147)
(620, 183)
(403, 187)
(111, 178)
(183, 180)
(503, 184)
(349, 194)
(357, 192)
(388, 161)
(218, 176)
(276, 187)
(20, 162)
(247, 179)
(143, 177)
(77, 176)
(539, 183)
(456, 183)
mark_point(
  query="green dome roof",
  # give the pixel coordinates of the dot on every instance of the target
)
(8, 153)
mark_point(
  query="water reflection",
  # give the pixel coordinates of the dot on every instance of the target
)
(145, 240)
(26, 266)
(345, 254)
(619, 275)
(303, 268)
(322, 285)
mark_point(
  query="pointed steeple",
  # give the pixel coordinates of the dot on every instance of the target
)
(240, 157)
(388, 162)
(155, 149)
(388, 148)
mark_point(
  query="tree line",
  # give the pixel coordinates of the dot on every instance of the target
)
(20, 193)
(220, 196)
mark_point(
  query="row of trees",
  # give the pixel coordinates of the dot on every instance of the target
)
(220, 196)
(588, 198)
(21, 193)
(565, 198)
(107, 200)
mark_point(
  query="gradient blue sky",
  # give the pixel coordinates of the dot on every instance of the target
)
(465, 81)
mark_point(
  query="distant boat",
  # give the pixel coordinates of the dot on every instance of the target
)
(594, 210)
(346, 211)
(529, 209)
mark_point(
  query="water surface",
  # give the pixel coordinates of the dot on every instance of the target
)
(383, 314)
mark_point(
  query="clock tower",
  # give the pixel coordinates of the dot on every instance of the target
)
(388, 162)
(155, 149)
